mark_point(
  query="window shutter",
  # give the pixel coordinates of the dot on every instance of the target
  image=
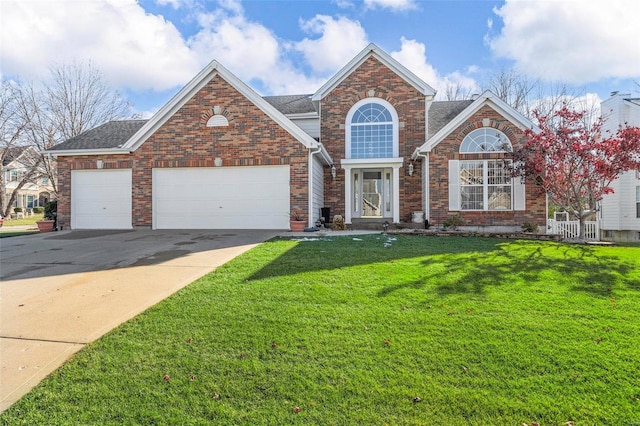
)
(454, 185)
(519, 202)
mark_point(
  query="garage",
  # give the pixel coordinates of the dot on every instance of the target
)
(221, 198)
(101, 199)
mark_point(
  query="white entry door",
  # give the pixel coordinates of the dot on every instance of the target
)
(101, 199)
(221, 198)
(372, 193)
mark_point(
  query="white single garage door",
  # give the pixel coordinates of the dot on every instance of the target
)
(221, 198)
(101, 199)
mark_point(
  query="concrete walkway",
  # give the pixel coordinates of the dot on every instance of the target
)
(62, 290)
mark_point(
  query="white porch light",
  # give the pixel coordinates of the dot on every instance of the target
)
(333, 171)
(410, 169)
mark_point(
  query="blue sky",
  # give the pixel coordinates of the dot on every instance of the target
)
(148, 49)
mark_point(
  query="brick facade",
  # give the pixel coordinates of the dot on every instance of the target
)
(372, 75)
(251, 139)
(448, 149)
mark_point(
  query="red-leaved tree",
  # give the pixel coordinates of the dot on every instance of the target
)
(574, 161)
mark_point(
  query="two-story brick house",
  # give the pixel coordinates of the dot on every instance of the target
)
(371, 145)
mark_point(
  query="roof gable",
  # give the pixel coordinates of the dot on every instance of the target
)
(486, 98)
(196, 84)
(374, 51)
(18, 155)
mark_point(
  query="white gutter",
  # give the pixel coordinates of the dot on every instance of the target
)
(301, 115)
(76, 152)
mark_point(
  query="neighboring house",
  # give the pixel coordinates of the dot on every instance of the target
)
(371, 145)
(620, 213)
(35, 193)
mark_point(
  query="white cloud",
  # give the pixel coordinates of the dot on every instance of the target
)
(141, 51)
(572, 41)
(249, 50)
(344, 4)
(127, 44)
(341, 39)
(397, 5)
(412, 55)
(173, 3)
(589, 102)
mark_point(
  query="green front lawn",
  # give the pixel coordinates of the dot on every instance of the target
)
(372, 330)
(26, 221)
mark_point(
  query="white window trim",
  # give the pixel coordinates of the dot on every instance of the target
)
(352, 111)
(470, 134)
(485, 188)
(518, 197)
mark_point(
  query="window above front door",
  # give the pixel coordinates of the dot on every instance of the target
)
(371, 130)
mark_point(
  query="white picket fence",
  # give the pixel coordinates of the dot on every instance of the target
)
(571, 229)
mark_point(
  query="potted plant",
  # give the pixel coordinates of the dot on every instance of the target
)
(296, 222)
(49, 221)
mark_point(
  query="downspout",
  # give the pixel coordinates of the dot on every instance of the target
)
(425, 179)
(312, 152)
(425, 182)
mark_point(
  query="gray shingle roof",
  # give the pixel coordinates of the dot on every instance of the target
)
(112, 134)
(442, 112)
(291, 104)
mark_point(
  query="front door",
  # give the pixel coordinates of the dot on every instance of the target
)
(372, 193)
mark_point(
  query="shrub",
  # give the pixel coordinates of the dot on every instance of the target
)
(17, 209)
(50, 210)
(38, 210)
(296, 216)
(453, 222)
(529, 227)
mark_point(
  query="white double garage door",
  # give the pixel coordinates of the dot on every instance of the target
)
(185, 198)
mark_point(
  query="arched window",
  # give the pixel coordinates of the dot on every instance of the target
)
(372, 130)
(486, 139)
(483, 184)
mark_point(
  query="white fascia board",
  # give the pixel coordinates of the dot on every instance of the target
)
(197, 83)
(386, 59)
(302, 115)
(76, 152)
(487, 98)
(350, 163)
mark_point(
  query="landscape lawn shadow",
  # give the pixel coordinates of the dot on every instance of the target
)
(587, 269)
(327, 254)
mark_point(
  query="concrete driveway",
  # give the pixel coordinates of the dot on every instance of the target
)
(62, 290)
